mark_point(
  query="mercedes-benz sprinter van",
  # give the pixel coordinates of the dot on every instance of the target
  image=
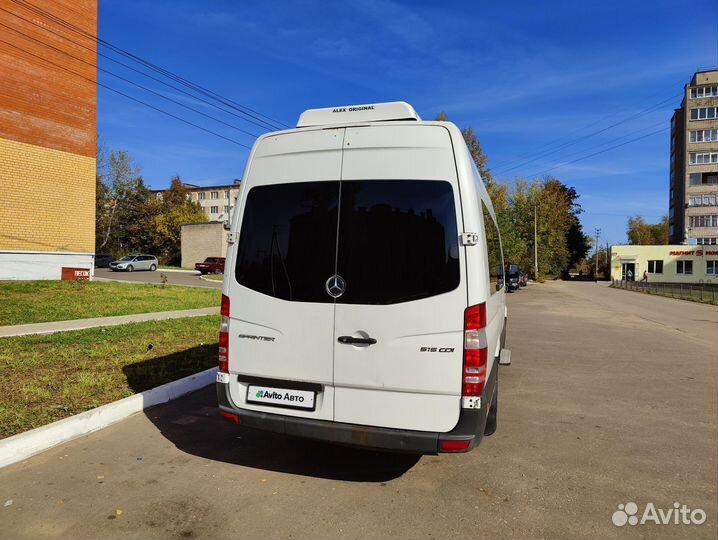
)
(364, 296)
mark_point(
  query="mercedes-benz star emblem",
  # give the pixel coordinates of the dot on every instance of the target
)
(336, 286)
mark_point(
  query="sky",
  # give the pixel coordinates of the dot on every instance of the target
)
(545, 85)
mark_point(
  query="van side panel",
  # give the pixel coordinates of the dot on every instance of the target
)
(472, 188)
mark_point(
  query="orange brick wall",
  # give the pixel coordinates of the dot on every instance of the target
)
(47, 128)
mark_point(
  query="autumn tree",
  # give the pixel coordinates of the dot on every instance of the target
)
(175, 209)
(120, 197)
(641, 233)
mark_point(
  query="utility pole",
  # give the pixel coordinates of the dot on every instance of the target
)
(595, 273)
(535, 245)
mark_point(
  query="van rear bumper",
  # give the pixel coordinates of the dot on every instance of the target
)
(470, 427)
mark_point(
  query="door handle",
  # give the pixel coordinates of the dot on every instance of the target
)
(349, 340)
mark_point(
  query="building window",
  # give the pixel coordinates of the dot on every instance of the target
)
(704, 91)
(707, 241)
(226, 208)
(655, 267)
(214, 195)
(704, 113)
(702, 158)
(703, 135)
(201, 195)
(703, 221)
(702, 200)
(226, 193)
(214, 209)
(684, 267)
(711, 267)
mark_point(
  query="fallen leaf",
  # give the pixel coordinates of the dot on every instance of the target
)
(119, 512)
(8, 502)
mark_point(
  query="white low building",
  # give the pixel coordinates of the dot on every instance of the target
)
(665, 264)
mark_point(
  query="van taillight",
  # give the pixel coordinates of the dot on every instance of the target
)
(475, 356)
(224, 335)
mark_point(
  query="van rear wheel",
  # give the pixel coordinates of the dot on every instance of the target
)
(491, 417)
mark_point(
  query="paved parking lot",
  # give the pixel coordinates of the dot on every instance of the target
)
(611, 399)
(173, 278)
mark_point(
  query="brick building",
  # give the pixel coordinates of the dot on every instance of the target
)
(47, 138)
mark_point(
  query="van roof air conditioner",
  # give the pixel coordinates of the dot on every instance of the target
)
(351, 114)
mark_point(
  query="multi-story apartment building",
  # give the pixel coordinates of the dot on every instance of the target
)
(693, 204)
(217, 201)
(47, 139)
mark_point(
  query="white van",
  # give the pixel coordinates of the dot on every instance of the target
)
(364, 299)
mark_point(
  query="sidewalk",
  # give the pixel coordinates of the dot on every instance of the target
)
(80, 324)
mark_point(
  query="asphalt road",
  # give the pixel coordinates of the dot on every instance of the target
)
(173, 278)
(611, 399)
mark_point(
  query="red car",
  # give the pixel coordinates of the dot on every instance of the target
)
(211, 265)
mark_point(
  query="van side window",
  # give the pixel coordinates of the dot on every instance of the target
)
(493, 249)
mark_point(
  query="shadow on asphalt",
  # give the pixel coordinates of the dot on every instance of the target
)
(193, 425)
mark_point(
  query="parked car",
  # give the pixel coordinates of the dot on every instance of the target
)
(103, 260)
(512, 277)
(211, 265)
(135, 262)
(362, 309)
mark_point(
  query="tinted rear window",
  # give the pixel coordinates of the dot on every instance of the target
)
(398, 240)
(288, 240)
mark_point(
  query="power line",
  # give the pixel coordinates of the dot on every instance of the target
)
(177, 78)
(127, 96)
(131, 82)
(127, 66)
(596, 153)
(576, 141)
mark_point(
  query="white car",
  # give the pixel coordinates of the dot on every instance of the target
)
(130, 263)
(364, 298)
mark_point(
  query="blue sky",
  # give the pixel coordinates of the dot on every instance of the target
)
(530, 77)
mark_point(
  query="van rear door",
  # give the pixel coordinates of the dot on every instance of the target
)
(399, 320)
(282, 319)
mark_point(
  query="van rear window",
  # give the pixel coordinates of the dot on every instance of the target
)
(287, 242)
(397, 240)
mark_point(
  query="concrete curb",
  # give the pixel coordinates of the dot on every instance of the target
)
(98, 322)
(24, 445)
(205, 278)
(197, 272)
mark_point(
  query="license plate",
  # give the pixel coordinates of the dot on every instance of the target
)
(281, 397)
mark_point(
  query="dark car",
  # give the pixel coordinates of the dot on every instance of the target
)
(512, 277)
(103, 260)
(211, 265)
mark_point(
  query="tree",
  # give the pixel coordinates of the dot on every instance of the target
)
(475, 149)
(175, 209)
(120, 194)
(641, 233)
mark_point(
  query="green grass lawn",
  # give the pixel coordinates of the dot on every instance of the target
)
(46, 378)
(218, 277)
(23, 302)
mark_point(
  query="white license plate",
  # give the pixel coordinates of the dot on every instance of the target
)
(282, 397)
